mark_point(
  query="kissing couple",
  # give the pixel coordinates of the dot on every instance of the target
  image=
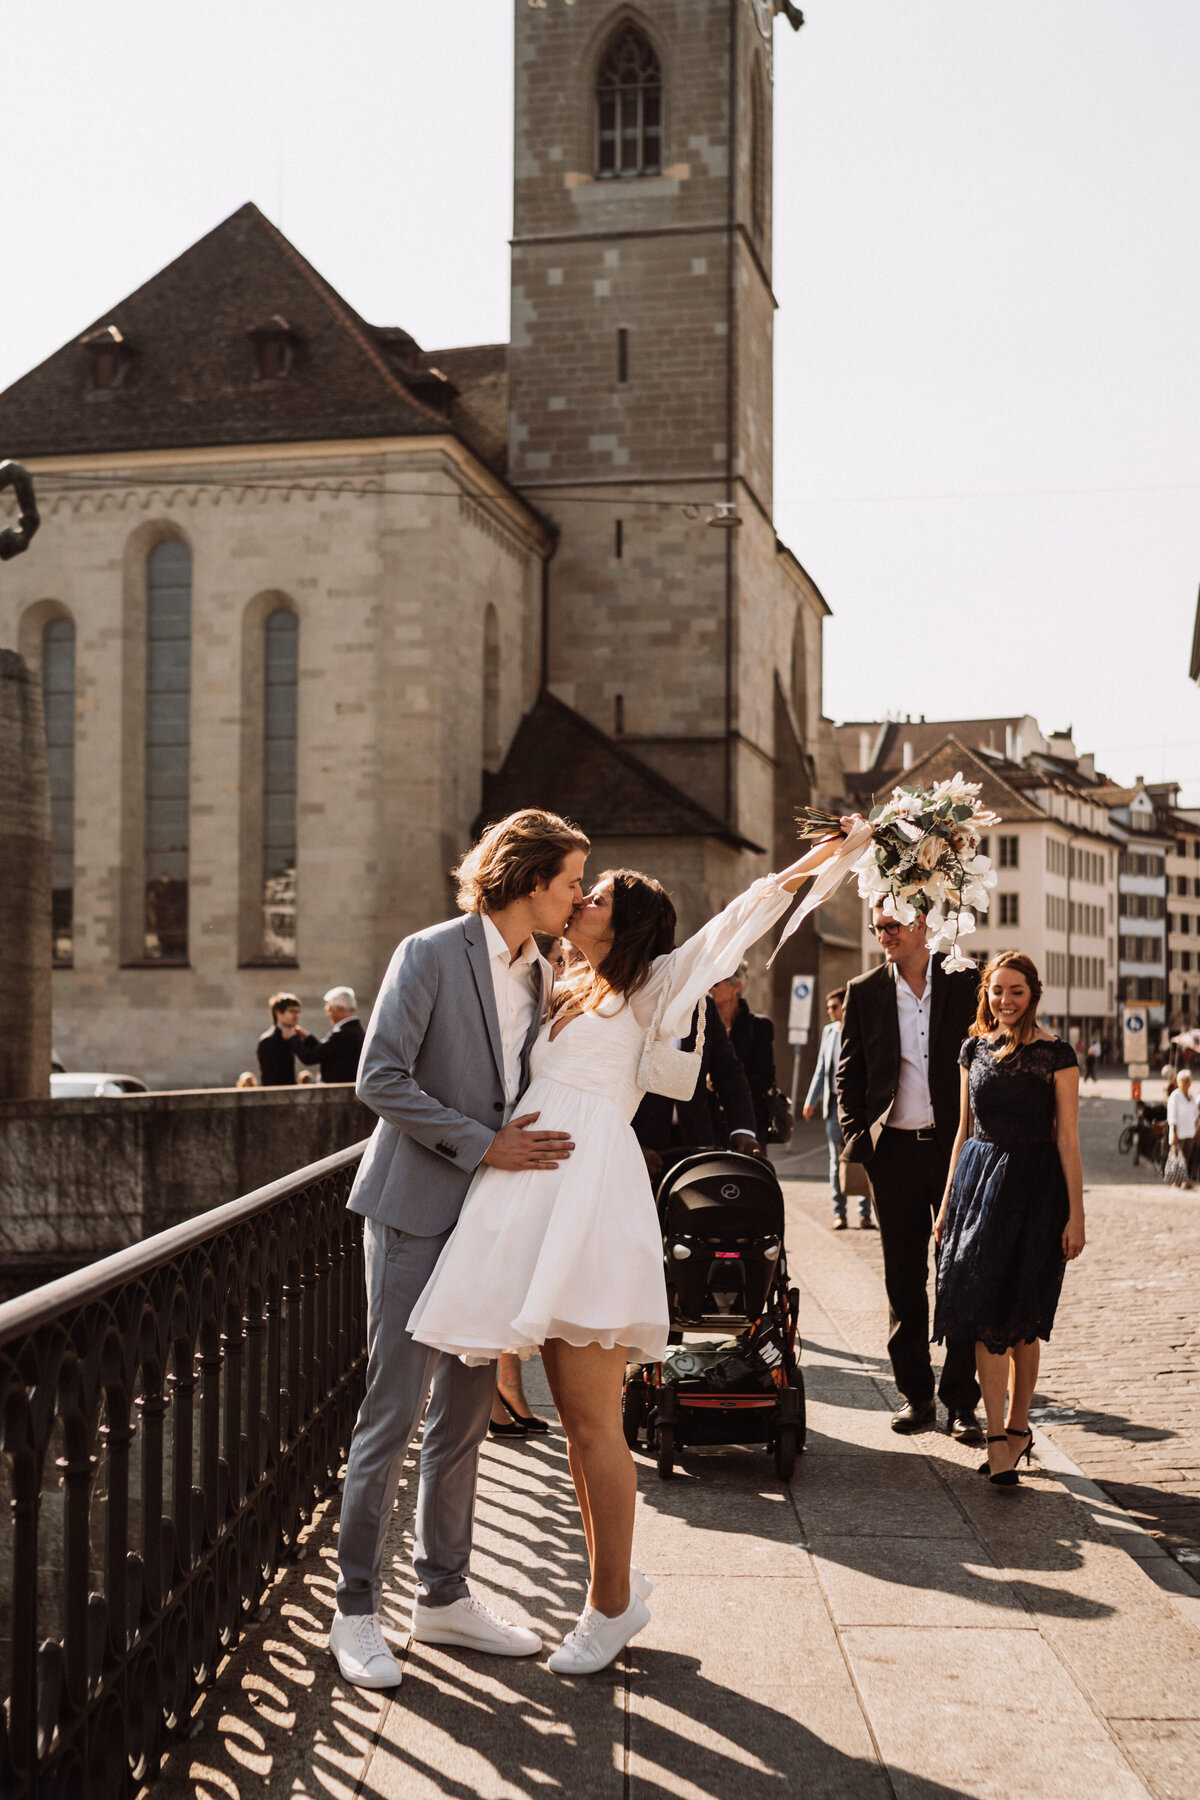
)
(507, 1207)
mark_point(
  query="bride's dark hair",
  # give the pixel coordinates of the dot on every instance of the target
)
(643, 922)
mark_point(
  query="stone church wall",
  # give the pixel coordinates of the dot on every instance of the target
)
(392, 593)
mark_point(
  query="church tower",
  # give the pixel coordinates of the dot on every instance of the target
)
(641, 391)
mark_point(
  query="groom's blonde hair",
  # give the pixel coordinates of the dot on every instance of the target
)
(513, 856)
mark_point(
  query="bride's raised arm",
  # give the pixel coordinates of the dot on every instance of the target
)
(718, 947)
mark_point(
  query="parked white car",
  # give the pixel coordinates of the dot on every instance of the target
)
(84, 1084)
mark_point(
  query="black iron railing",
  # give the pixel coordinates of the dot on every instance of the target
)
(170, 1416)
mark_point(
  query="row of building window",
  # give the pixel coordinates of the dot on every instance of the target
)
(1150, 988)
(1056, 856)
(1141, 862)
(165, 849)
(1182, 923)
(1006, 853)
(1182, 960)
(1181, 848)
(1141, 949)
(1087, 920)
(1183, 885)
(1143, 906)
(1087, 865)
(1087, 972)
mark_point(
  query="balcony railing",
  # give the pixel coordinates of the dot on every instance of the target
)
(170, 1416)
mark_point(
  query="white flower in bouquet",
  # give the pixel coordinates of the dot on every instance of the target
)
(924, 859)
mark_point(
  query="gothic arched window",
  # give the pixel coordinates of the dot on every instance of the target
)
(628, 108)
(281, 644)
(168, 746)
(58, 705)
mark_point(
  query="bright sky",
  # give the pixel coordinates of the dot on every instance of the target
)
(987, 374)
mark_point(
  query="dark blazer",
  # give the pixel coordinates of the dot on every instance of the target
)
(753, 1037)
(276, 1058)
(869, 1071)
(338, 1055)
(698, 1118)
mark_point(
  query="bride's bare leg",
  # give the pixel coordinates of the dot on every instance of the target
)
(573, 1460)
(586, 1384)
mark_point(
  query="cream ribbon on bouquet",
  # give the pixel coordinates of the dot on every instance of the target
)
(830, 877)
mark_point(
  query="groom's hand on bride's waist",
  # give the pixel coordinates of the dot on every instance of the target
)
(515, 1146)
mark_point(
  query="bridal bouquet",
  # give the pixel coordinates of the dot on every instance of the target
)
(924, 859)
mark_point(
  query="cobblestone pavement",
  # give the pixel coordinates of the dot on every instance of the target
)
(1120, 1379)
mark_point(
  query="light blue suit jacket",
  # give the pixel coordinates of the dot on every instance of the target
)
(823, 1086)
(433, 1069)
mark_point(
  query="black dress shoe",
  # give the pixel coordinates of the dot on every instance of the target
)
(965, 1426)
(916, 1418)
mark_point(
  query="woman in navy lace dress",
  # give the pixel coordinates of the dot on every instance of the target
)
(1012, 1216)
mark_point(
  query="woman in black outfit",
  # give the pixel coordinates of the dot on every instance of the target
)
(1012, 1216)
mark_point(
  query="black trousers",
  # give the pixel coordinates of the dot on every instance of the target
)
(908, 1175)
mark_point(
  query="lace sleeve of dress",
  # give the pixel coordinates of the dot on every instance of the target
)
(967, 1053)
(1062, 1056)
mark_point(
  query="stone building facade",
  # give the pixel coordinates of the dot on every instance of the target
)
(310, 603)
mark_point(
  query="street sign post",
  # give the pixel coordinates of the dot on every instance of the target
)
(800, 1008)
(1135, 1034)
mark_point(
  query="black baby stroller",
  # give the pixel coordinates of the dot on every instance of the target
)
(722, 1221)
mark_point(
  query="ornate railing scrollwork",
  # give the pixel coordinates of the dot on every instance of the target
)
(169, 1418)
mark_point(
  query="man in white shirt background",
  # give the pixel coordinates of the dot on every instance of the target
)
(1182, 1109)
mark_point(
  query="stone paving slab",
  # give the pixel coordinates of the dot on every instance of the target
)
(886, 1627)
(1120, 1380)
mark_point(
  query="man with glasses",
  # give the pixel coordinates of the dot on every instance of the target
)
(898, 1104)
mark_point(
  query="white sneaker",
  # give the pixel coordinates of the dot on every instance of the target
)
(359, 1649)
(473, 1626)
(597, 1639)
(638, 1583)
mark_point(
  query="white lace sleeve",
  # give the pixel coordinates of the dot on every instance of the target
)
(714, 952)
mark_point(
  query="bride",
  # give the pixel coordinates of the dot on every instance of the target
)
(570, 1262)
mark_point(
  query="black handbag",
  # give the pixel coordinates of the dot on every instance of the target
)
(780, 1120)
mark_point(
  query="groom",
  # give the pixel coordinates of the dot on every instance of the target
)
(445, 1058)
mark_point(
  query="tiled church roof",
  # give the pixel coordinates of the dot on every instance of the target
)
(562, 762)
(189, 375)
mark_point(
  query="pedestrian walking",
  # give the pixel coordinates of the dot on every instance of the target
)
(337, 1056)
(753, 1038)
(822, 1092)
(1182, 1109)
(1012, 1215)
(898, 1107)
(276, 1048)
(1090, 1060)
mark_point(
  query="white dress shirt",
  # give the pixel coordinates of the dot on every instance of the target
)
(1181, 1114)
(912, 1109)
(516, 985)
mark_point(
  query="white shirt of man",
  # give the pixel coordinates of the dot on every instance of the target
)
(516, 985)
(1181, 1114)
(912, 1109)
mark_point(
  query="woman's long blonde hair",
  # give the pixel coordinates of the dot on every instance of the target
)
(1027, 1026)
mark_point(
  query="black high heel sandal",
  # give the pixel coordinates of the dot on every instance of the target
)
(1003, 1477)
(529, 1422)
(1027, 1452)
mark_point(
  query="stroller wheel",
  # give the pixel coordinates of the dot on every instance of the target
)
(633, 1410)
(664, 1446)
(785, 1452)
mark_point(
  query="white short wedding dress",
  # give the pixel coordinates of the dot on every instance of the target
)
(575, 1252)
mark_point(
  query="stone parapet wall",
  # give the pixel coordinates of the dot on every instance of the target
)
(80, 1179)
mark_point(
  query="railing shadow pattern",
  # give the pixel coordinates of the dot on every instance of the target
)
(170, 1416)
